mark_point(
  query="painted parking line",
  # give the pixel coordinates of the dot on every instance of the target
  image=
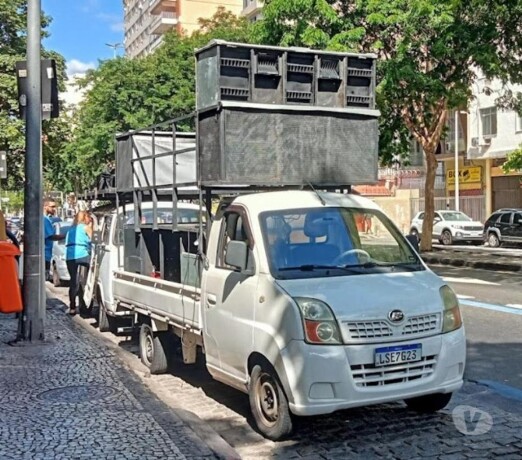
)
(503, 389)
(451, 279)
(464, 300)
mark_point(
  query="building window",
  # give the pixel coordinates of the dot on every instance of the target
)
(489, 121)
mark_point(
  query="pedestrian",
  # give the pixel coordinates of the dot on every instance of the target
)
(78, 255)
(50, 235)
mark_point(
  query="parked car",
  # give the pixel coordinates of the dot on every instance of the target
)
(503, 226)
(58, 271)
(450, 227)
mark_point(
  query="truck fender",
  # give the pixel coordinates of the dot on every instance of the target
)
(257, 358)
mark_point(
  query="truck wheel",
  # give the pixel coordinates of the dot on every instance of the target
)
(429, 403)
(152, 352)
(57, 282)
(446, 238)
(268, 404)
(106, 323)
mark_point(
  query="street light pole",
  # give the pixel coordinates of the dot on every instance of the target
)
(457, 197)
(114, 47)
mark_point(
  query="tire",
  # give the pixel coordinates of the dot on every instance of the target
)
(493, 240)
(446, 238)
(57, 282)
(152, 352)
(106, 323)
(269, 404)
(429, 403)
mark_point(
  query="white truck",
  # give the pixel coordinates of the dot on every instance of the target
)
(309, 301)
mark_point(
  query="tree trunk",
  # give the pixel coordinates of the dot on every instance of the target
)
(428, 136)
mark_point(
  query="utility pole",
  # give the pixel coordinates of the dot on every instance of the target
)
(33, 317)
(457, 196)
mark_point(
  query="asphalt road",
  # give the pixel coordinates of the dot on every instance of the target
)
(492, 310)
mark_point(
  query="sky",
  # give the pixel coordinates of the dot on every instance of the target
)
(81, 29)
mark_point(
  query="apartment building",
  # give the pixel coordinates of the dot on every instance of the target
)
(252, 9)
(146, 21)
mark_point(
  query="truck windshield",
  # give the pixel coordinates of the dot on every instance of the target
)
(329, 241)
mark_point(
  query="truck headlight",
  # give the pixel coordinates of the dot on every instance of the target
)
(319, 322)
(451, 318)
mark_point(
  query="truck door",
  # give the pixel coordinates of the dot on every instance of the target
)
(228, 301)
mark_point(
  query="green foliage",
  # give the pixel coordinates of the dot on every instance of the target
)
(124, 94)
(426, 48)
(13, 42)
(513, 161)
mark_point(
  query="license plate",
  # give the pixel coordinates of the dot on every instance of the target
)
(387, 356)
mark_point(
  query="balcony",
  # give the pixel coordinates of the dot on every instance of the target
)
(158, 6)
(163, 22)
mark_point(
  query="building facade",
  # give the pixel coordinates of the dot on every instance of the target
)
(493, 134)
(252, 9)
(146, 21)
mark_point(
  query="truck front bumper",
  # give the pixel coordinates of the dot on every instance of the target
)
(322, 379)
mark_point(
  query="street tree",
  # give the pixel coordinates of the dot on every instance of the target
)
(123, 94)
(513, 161)
(428, 53)
(13, 43)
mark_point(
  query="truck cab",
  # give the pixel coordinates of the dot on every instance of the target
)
(309, 313)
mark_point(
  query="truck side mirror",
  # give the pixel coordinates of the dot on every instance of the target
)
(414, 241)
(236, 255)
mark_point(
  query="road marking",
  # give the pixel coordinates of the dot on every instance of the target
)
(491, 306)
(450, 279)
(503, 389)
(514, 305)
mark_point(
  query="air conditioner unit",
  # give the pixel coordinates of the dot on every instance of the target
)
(486, 140)
(474, 141)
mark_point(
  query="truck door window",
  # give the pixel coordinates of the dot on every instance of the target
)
(233, 229)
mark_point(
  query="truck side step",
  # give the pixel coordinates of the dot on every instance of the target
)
(128, 330)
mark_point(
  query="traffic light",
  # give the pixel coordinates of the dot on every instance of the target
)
(50, 106)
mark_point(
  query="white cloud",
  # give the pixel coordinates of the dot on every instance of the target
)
(75, 67)
(114, 20)
(117, 27)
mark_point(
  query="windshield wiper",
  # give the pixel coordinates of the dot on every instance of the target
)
(312, 267)
(373, 264)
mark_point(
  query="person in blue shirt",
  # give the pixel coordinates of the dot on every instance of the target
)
(50, 235)
(78, 255)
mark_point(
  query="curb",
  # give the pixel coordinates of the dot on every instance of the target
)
(214, 442)
(483, 265)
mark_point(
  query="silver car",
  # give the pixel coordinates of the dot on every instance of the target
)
(450, 227)
(58, 272)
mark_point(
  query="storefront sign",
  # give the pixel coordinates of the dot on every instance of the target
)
(470, 178)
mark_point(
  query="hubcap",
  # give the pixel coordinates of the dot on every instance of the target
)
(446, 238)
(148, 348)
(267, 400)
(492, 240)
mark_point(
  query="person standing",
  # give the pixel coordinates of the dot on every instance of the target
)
(78, 254)
(50, 235)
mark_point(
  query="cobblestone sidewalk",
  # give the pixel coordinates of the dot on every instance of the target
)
(71, 398)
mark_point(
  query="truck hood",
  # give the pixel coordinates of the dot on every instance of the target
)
(372, 296)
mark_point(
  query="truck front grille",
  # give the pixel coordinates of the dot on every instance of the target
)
(369, 375)
(377, 330)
